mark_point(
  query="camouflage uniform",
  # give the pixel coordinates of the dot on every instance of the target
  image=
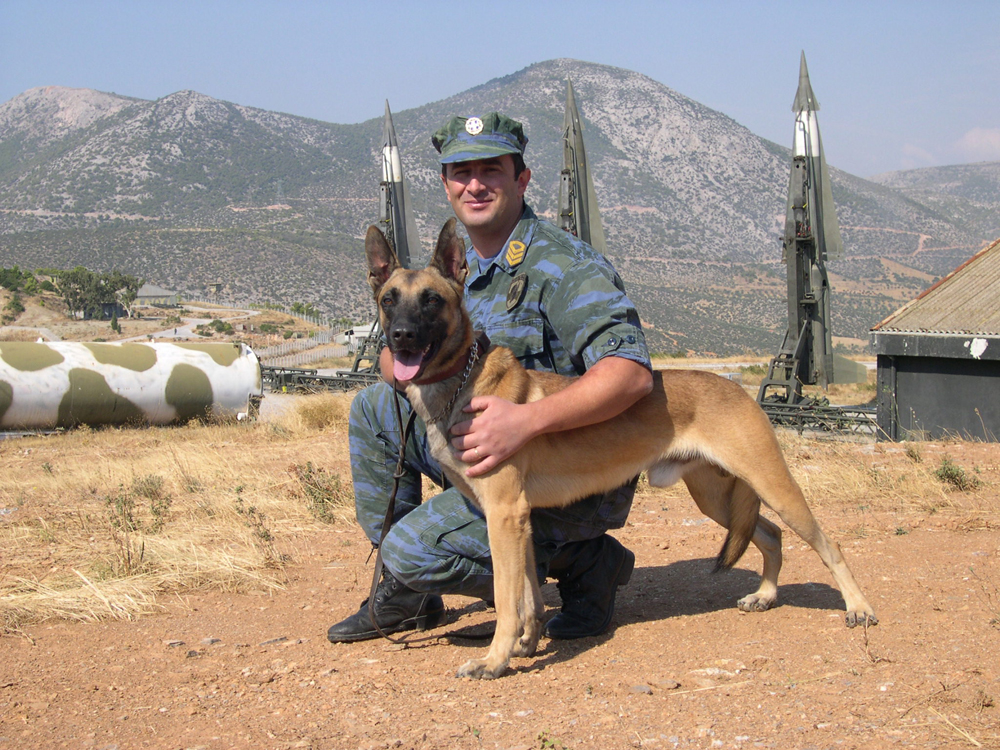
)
(572, 312)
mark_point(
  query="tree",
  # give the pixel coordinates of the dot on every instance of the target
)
(126, 289)
(76, 287)
(87, 292)
(14, 279)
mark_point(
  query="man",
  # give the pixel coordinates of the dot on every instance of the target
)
(559, 306)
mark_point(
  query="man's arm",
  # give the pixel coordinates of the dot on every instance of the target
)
(502, 428)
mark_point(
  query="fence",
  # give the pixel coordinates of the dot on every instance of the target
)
(293, 352)
(224, 300)
(290, 346)
(297, 358)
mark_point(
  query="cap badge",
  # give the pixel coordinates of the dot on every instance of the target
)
(473, 126)
(515, 253)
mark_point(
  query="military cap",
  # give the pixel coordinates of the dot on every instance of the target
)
(471, 138)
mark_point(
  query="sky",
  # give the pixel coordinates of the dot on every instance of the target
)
(901, 84)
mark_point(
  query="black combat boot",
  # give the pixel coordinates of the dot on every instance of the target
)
(397, 608)
(588, 575)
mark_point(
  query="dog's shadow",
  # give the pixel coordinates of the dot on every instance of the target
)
(683, 588)
(689, 587)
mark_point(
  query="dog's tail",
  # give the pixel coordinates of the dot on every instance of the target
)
(744, 510)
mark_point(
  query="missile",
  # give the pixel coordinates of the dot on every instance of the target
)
(816, 212)
(396, 208)
(812, 237)
(578, 212)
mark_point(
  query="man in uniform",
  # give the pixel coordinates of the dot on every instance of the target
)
(560, 306)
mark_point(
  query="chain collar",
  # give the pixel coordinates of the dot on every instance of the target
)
(474, 353)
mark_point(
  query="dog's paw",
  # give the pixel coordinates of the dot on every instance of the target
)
(866, 619)
(525, 647)
(527, 644)
(478, 669)
(755, 603)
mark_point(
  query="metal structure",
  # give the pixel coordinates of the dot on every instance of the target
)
(395, 207)
(817, 416)
(578, 212)
(65, 384)
(363, 372)
(399, 226)
(812, 237)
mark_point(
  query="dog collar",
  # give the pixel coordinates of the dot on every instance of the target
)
(479, 346)
(478, 349)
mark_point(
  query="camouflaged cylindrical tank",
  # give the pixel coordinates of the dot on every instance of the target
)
(64, 384)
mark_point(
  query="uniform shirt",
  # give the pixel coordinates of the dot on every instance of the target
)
(553, 300)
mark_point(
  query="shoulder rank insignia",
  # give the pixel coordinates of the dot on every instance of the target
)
(515, 253)
(516, 290)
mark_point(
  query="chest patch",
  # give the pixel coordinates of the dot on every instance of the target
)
(516, 290)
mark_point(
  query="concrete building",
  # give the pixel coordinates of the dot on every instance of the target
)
(150, 295)
(939, 357)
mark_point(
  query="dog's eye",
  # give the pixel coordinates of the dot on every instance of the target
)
(387, 302)
(432, 300)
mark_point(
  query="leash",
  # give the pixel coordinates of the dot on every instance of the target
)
(479, 347)
(390, 511)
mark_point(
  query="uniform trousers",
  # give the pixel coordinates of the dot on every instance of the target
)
(441, 546)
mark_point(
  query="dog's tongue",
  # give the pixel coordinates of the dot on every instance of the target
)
(406, 365)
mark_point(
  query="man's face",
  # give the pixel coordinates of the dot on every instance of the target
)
(485, 195)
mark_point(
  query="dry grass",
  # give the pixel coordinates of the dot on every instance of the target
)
(102, 524)
(8, 333)
(98, 524)
(898, 482)
(332, 363)
(322, 411)
(848, 393)
(751, 376)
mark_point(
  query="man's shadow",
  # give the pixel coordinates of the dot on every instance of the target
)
(686, 587)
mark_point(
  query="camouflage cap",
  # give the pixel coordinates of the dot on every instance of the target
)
(471, 138)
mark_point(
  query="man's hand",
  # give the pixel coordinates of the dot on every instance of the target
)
(498, 432)
(502, 428)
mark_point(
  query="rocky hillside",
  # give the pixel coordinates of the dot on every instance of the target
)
(968, 194)
(188, 191)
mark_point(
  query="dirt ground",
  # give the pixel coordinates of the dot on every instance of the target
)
(49, 322)
(680, 668)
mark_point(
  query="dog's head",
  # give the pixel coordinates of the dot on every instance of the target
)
(421, 312)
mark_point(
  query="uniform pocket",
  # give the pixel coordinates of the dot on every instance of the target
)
(525, 337)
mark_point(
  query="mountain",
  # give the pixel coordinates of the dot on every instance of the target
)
(965, 193)
(187, 191)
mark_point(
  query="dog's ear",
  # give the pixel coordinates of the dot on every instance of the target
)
(449, 255)
(381, 259)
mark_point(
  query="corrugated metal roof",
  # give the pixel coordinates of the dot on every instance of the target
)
(966, 301)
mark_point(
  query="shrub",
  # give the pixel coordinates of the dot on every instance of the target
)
(955, 476)
(329, 501)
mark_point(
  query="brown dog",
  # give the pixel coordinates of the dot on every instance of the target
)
(693, 426)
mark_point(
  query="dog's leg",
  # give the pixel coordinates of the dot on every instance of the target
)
(754, 456)
(782, 494)
(767, 538)
(793, 511)
(532, 607)
(717, 495)
(509, 525)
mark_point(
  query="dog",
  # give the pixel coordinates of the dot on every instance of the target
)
(694, 426)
